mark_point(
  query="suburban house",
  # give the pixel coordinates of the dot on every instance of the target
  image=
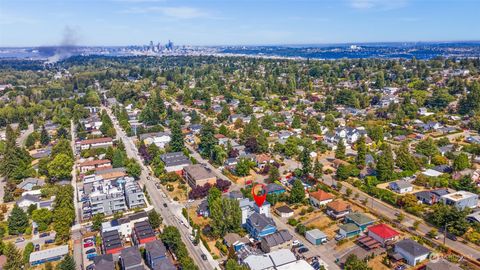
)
(156, 256)
(202, 209)
(401, 186)
(111, 242)
(28, 199)
(284, 211)
(143, 233)
(277, 240)
(411, 251)
(160, 139)
(258, 225)
(359, 219)
(383, 233)
(91, 165)
(461, 199)
(199, 175)
(130, 258)
(338, 209)
(320, 197)
(30, 182)
(48, 255)
(348, 230)
(430, 197)
(94, 143)
(316, 237)
(235, 241)
(175, 162)
(104, 262)
(441, 264)
(274, 188)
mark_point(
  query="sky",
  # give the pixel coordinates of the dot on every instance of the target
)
(235, 22)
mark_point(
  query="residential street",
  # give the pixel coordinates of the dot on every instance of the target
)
(171, 214)
(76, 234)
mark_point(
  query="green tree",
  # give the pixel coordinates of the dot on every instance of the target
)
(317, 169)
(385, 164)
(404, 159)
(14, 257)
(224, 114)
(297, 194)
(273, 173)
(44, 137)
(354, 263)
(243, 167)
(154, 219)
(296, 122)
(219, 155)
(375, 133)
(361, 151)
(306, 161)
(60, 167)
(17, 221)
(68, 263)
(461, 162)
(119, 158)
(291, 147)
(27, 251)
(177, 142)
(97, 221)
(43, 218)
(207, 140)
(427, 147)
(340, 151)
(134, 169)
(233, 265)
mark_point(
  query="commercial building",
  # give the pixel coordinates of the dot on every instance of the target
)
(175, 162)
(94, 143)
(199, 175)
(48, 255)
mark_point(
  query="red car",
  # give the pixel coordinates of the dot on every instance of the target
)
(89, 244)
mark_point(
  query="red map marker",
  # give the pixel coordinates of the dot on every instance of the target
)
(259, 194)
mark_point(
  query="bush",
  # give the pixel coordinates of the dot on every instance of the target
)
(292, 222)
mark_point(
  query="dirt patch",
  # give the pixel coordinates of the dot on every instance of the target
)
(199, 220)
(177, 192)
(376, 263)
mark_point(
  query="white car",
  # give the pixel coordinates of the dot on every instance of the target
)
(296, 243)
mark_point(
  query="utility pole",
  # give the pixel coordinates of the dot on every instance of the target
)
(445, 233)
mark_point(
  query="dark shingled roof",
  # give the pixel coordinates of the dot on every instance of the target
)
(412, 247)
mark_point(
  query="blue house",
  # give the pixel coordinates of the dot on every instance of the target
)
(156, 256)
(258, 225)
(274, 188)
(359, 219)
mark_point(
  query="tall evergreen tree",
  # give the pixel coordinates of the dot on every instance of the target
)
(177, 142)
(17, 221)
(68, 263)
(14, 257)
(44, 137)
(340, 151)
(297, 193)
(317, 169)
(404, 159)
(361, 151)
(207, 140)
(385, 164)
(306, 161)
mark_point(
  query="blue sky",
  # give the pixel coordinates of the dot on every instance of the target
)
(233, 22)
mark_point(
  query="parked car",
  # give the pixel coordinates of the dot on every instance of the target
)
(87, 240)
(20, 239)
(91, 256)
(165, 205)
(296, 243)
(303, 250)
(451, 237)
(45, 234)
(90, 267)
(49, 241)
(339, 237)
(37, 247)
(90, 251)
(204, 257)
(88, 244)
(401, 267)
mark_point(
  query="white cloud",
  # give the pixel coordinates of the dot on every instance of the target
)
(173, 12)
(377, 4)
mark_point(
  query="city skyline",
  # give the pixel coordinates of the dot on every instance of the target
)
(187, 22)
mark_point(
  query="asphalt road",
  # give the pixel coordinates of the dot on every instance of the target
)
(23, 135)
(170, 214)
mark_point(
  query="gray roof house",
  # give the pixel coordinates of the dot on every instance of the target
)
(104, 262)
(275, 241)
(442, 264)
(131, 259)
(411, 251)
(400, 186)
